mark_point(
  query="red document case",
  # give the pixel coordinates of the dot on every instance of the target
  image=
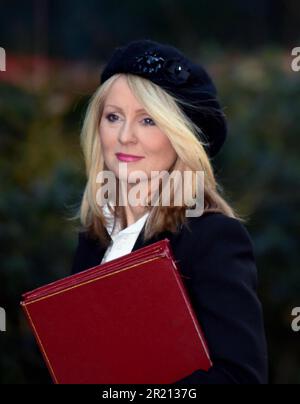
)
(126, 321)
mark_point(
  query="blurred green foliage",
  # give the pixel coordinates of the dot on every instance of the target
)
(42, 179)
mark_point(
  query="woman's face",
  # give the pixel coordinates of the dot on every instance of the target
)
(125, 127)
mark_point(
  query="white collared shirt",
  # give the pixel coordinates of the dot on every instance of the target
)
(122, 240)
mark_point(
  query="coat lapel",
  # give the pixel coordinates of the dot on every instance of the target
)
(140, 243)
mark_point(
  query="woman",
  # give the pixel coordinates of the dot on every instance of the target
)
(155, 104)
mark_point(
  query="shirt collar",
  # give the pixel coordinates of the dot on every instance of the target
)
(134, 228)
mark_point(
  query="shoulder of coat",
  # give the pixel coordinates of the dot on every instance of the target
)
(213, 222)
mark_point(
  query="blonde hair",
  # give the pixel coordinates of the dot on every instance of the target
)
(183, 134)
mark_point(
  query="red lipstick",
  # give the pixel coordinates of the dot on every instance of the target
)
(128, 157)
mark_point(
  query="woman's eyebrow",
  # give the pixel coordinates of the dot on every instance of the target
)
(120, 109)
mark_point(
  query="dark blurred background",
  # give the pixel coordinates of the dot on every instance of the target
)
(54, 54)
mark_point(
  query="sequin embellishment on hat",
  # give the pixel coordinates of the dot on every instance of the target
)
(151, 62)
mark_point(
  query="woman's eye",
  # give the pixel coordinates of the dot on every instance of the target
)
(113, 117)
(152, 124)
(110, 115)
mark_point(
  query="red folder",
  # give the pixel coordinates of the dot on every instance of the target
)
(126, 321)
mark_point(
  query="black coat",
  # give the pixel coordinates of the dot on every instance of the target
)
(217, 260)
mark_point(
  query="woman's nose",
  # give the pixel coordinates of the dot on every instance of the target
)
(127, 133)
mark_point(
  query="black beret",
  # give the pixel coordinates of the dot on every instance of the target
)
(169, 68)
